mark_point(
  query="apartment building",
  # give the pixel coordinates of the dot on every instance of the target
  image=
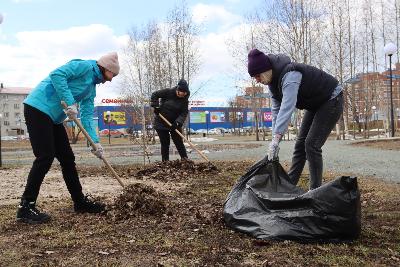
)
(12, 122)
(253, 97)
(369, 94)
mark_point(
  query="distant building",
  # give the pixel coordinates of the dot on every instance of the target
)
(369, 94)
(12, 119)
(253, 97)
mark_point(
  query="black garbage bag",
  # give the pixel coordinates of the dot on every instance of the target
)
(265, 204)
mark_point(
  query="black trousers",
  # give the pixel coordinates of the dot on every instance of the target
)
(49, 141)
(314, 131)
(164, 136)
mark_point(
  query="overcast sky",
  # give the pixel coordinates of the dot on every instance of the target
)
(37, 36)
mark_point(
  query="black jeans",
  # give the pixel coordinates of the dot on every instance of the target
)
(314, 131)
(164, 136)
(49, 141)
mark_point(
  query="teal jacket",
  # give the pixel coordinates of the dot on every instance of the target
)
(74, 82)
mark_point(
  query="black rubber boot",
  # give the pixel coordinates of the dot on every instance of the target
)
(28, 213)
(89, 206)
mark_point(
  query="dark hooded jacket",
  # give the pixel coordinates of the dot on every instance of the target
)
(316, 85)
(172, 107)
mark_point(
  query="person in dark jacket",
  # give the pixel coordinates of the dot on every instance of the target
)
(75, 82)
(295, 85)
(173, 105)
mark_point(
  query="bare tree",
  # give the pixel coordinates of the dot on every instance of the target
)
(291, 27)
(182, 36)
(157, 56)
(397, 25)
(135, 74)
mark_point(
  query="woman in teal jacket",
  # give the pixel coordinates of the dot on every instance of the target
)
(73, 83)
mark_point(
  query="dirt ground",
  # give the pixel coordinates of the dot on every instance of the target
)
(172, 216)
(381, 144)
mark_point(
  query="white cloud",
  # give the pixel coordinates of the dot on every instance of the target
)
(76, 41)
(203, 13)
(36, 53)
(216, 57)
(215, 54)
(219, 68)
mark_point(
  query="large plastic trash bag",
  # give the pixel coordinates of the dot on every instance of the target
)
(265, 204)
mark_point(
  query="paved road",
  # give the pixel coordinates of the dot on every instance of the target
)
(339, 157)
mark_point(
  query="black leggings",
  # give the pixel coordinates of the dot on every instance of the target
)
(49, 141)
(165, 141)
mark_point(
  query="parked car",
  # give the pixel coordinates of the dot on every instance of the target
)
(113, 133)
(201, 131)
(222, 130)
(8, 138)
(214, 131)
(191, 131)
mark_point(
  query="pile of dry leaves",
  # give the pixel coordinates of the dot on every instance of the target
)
(175, 170)
(138, 199)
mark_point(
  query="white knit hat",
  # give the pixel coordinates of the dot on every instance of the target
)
(110, 62)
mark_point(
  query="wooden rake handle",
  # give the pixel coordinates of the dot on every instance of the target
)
(95, 147)
(184, 138)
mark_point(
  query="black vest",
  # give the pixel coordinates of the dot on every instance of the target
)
(316, 86)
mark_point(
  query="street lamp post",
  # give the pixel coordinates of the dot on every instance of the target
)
(240, 116)
(108, 116)
(1, 160)
(390, 49)
(188, 131)
(366, 128)
(1, 115)
(207, 112)
(376, 121)
(223, 120)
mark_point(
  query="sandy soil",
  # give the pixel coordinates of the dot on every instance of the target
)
(96, 181)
